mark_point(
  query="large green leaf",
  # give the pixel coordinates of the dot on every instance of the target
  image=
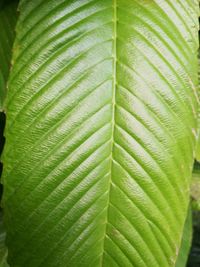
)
(8, 17)
(101, 132)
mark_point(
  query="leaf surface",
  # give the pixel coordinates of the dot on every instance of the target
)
(8, 17)
(101, 132)
(197, 157)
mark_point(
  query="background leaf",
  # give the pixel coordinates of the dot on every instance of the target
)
(186, 241)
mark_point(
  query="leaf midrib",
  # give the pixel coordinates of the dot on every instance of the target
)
(114, 55)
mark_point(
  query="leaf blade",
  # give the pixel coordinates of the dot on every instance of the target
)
(88, 181)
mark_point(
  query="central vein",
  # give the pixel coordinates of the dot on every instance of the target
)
(114, 56)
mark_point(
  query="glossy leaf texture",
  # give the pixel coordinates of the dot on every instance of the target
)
(101, 132)
(8, 17)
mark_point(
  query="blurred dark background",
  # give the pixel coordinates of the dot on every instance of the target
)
(2, 140)
(194, 257)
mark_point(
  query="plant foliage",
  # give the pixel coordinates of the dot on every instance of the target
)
(101, 129)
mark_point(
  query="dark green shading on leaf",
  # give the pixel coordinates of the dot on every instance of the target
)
(8, 18)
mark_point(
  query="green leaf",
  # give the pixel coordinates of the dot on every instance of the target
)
(186, 241)
(197, 156)
(198, 149)
(101, 132)
(8, 17)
